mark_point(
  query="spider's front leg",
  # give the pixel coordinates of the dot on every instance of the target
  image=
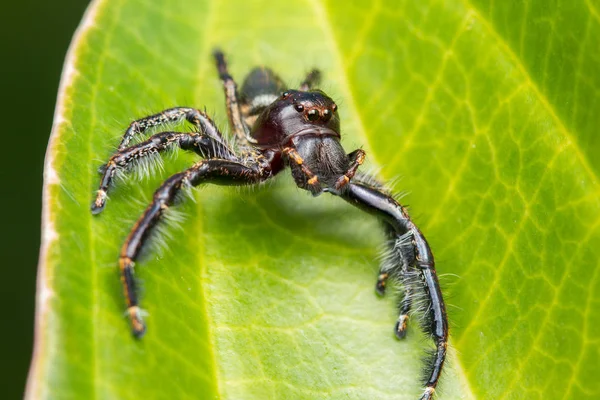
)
(207, 143)
(373, 200)
(217, 171)
(176, 114)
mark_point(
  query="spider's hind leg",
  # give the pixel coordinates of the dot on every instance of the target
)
(234, 112)
(312, 79)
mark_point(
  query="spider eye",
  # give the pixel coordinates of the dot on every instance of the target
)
(326, 115)
(313, 115)
(334, 107)
(299, 107)
(285, 94)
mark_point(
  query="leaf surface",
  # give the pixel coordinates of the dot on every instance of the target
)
(269, 293)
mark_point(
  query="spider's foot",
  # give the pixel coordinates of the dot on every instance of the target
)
(428, 394)
(99, 203)
(138, 328)
(381, 282)
(401, 325)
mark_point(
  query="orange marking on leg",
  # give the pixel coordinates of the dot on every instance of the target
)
(360, 158)
(402, 323)
(293, 154)
(428, 394)
(125, 262)
(100, 198)
(342, 181)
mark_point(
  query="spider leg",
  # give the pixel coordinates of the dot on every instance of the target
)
(357, 157)
(239, 127)
(313, 78)
(398, 262)
(405, 306)
(204, 145)
(375, 201)
(389, 262)
(303, 176)
(217, 171)
(177, 114)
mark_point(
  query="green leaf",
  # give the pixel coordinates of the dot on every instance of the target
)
(489, 112)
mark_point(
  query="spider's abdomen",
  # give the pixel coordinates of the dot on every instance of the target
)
(261, 88)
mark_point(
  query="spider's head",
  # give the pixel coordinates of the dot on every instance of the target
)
(295, 114)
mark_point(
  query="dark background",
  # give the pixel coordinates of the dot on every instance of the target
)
(34, 37)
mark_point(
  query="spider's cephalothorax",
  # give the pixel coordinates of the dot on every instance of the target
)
(275, 127)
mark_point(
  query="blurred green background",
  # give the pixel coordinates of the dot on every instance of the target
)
(34, 37)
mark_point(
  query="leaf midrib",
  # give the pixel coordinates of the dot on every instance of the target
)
(201, 242)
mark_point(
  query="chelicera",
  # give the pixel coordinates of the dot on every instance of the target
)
(275, 128)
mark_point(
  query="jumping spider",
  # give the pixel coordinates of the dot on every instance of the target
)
(275, 128)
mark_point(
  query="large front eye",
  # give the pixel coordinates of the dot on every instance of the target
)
(313, 115)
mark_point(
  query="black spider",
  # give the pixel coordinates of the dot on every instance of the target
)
(276, 127)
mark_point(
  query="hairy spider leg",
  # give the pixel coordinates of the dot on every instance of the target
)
(405, 306)
(206, 142)
(357, 158)
(383, 205)
(313, 78)
(398, 262)
(299, 168)
(234, 113)
(389, 260)
(176, 114)
(217, 171)
(203, 145)
(381, 283)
